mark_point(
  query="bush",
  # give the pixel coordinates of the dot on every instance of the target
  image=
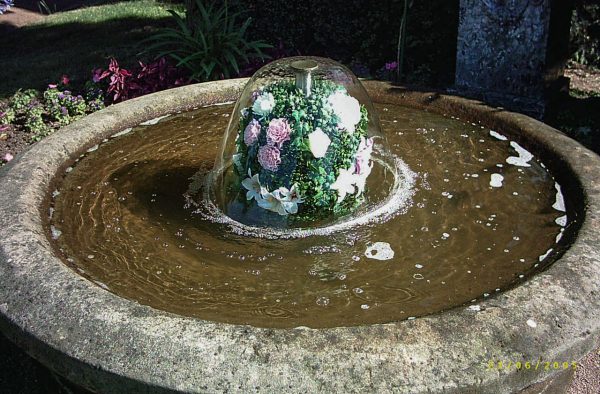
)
(365, 33)
(209, 41)
(585, 33)
(122, 84)
(63, 107)
(7, 114)
(41, 113)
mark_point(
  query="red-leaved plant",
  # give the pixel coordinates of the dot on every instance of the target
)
(148, 78)
(159, 75)
(120, 84)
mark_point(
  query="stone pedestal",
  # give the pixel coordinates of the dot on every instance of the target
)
(512, 53)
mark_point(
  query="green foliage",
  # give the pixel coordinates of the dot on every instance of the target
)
(63, 107)
(585, 33)
(210, 41)
(365, 32)
(41, 114)
(33, 121)
(312, 176)
(74, 42)
(7, 114)
(22, 99)
(577, 115)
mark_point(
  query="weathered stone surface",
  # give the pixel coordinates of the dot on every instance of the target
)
(110, 344)
(512, 52)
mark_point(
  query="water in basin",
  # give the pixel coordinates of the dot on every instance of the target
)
(474, 214)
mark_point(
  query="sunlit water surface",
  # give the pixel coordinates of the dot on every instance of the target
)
(481, 216)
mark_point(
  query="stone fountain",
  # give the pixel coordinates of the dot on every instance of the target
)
(122, 271)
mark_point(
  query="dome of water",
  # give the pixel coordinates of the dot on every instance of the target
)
(303, 149)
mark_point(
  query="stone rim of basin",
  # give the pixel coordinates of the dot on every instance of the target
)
(109, 344)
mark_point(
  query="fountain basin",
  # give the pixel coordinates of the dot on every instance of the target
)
(109, 344)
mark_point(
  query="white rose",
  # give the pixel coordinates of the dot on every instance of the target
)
(344, 184)
(263, 104)
(346, 108)
(318, 142)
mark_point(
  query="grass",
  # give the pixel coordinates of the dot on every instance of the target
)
(75, 42)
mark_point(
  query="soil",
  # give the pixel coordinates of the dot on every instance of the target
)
(18, 17)
(28, 12)
(12, 141)
(584, 79)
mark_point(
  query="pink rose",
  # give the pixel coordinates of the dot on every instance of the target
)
(278, 132)
(251, 132)
(268, 157)
(363, 155)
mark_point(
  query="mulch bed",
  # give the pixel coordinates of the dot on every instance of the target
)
(12, 141)
(584, 79)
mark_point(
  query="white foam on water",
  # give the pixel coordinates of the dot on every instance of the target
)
(496, 180)
(379, 251)
(497, 135)
(559, 205)
(218, 104)
(101, 284)
(398, 201)
(92, 149)
(56, 233)
(122, 132)
(524, 156)
(154, 121)
(542, 257)
(561, 221)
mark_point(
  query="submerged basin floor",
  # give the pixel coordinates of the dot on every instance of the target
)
(484, 216)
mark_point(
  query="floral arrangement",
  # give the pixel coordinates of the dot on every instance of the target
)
(299, 155)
